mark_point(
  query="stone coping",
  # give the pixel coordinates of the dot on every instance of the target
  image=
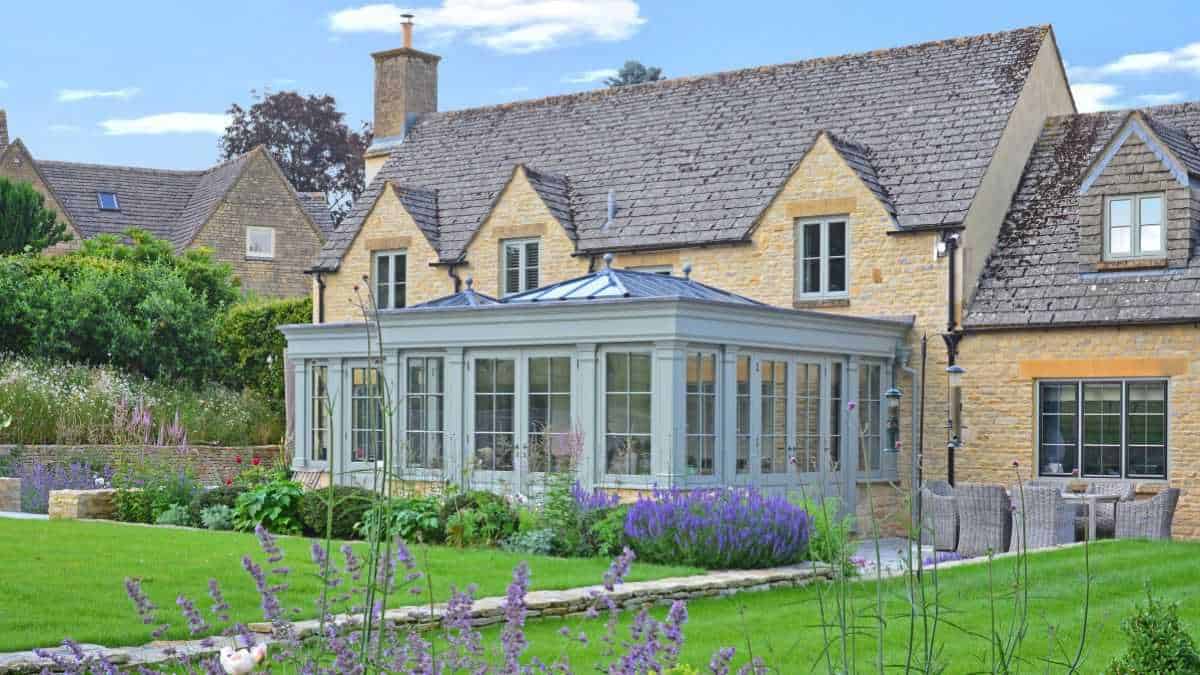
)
(484, 612)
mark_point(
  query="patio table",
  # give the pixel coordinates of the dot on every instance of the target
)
(1092, 500)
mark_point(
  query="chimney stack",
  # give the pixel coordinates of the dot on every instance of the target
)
(3, 128)
(405, 87)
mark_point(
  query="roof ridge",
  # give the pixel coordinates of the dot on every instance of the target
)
(556, 99)
(122, 167)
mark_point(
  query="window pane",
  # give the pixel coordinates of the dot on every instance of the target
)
(1119, 213)
(531, 265)
(382, 280)
(616, 372)
(837, 275)
(812, 240)
(1146, 429)
(1151, 238)
(743, 414)
(837, 239)
(1150, 211)
(639, 372)
(812, 276)
(1118, 240)
(539, 374)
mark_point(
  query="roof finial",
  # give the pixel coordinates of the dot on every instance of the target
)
(608, 258)
(687, 271)
(470, 283)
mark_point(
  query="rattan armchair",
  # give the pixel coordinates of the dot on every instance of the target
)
(1105, 521)
(1149, 518)
(1041, 517)
(984, 519)
(939, 515)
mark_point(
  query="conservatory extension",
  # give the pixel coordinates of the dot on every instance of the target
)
(637, 380)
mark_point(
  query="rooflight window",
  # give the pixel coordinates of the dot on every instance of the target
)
(107, 201)
(1133, 227)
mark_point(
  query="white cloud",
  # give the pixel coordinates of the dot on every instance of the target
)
(74, 95)
(510, 26)
(1186, 59)
(64, 129)
(1160, 99)
(168, 123)
(1095, 96)
(590, 76)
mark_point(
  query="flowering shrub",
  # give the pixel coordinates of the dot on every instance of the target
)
(718, 529)
(37, 480)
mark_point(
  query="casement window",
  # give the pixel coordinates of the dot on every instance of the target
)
(366, 415)
(743, 415)
(1134, 227)
(808, 417)
(772, 436)
(1103, 428)
(425, 428)
(318, 414)
(701, 413)
(107, 201)
(391, 279)
(550, 413)
(260, 242)
(521, 258)
(822, 258)
(495, 414)
(870, 412)
(627, 394)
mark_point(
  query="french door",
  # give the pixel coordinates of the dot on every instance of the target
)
(519, 418)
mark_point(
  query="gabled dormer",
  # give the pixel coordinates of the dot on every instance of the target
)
(1138, 199)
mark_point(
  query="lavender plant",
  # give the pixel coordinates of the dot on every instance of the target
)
(38, 479)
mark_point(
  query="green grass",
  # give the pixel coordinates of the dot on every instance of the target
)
(783, 626)
(66, 578)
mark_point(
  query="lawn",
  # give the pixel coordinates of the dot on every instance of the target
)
(783, 626)
(66, 578)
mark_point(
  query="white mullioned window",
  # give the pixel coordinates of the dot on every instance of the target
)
(822, 258)
(627, 394)
(260, 242)
(319, 414)
(366, 415)
(521, 260)
(1134, 227)
(391, 279)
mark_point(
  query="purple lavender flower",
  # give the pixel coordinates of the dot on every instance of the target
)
(592, 501)
(941, 557)
(219, 607)
(720, 661)
(512, 638)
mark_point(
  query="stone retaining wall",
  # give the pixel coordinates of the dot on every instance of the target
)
(10, 494)
(212, 464)
(76, 504)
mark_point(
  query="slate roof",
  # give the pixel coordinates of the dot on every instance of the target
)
(1032, 277)
(696, 160)
(609, 283)
(858, 158)
(317, 207)
(468, 298)
(171, 205)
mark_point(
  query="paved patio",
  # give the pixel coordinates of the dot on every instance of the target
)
(892, 555)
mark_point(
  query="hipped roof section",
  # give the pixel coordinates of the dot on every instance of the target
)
(695, 160)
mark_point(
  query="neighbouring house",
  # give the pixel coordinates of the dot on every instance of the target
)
(689, 281)
(244, 209)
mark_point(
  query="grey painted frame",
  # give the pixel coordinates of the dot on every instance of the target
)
(1135, 226)
(798, 243)
(668, 327)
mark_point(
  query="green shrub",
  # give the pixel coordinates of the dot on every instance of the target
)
(217, 517)
(607, 532)
(829, 536)
(478, 518)
(252, 476)
(1158, 642)
(349, 505)
(226, 495)
(413, 519)
(250, 338)
(132, 506)
(175, 514)
(275, 505)
(533, 542)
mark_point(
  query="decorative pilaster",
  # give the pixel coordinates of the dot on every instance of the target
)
(584, 390)
(455, 424)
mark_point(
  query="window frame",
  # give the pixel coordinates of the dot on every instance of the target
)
(822, 256)
(712, 398)
(1080, 432)
(319, 410)
(381, 395)
(614, 478)
(439, 396)
(522, 264)
(393, 255)
(1135, 226)
(269, 255)
(872, 408)
(100, 200)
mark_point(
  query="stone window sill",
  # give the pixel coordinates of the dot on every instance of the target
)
(821, 303)
(1131, 264)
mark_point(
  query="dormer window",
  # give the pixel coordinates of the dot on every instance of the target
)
(107, 201)
(521, 263)
(1133, 227)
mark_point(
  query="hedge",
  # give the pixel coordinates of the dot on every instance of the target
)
(250, 338)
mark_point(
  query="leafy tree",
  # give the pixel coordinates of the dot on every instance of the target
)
(25, 222)
(633, 72)
(309, 138)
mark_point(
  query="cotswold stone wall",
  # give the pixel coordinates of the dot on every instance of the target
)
(999, 395)
(212, 465)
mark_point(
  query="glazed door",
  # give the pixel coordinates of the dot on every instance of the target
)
(816, 431)
(492, 422)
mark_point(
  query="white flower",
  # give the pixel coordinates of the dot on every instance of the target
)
(242, 661)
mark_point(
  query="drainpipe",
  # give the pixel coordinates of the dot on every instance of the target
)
(320, 297)
(457, 281)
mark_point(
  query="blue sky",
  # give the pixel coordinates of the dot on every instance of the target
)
(146, 83)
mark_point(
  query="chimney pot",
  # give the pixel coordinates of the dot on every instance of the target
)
(407, 26)
(3, 128)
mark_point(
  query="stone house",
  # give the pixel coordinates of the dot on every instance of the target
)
(941, 198)
(244, 209)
